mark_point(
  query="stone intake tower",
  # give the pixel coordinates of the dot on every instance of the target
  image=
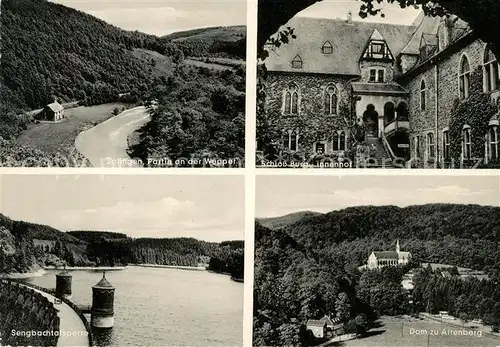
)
(63, 284)
(103, 296)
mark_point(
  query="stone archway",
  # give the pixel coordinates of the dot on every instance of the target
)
(370, 118)
(402, 111)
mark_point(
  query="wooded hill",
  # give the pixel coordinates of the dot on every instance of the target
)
(220, 33)
(461, 235)
(227, 41)
(27, 246)
(286, 220)
(309, 267)
(50, 51)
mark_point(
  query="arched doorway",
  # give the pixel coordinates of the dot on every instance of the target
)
(402, 111)
(370, 118)
(389, 112)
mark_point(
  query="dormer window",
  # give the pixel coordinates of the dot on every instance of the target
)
(297, 62)
(377, 48)
(327, 48)
(377, 75)
(428, 46)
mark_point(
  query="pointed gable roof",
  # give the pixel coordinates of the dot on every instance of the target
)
(424, 25)
(55, 106)
(377, 36)
(327, 320)
(348, 40)
(382, 52)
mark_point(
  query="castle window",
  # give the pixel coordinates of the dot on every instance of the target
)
(491, 71)
(493, 143)
(466, 142)
(431, 149)
(339, 141)
(327, 48)
(331, 100)
(297, 62)
(373, 75)
(389, 114)
(381, 75)
(377, 75)
(291, 140)
(464, 78)
(423, 94)
(446, 144)
(291, 100)
(402, 111)
(320, 148)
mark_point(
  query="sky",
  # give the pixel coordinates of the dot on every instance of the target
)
(162, 17)
(280, 195)
(205, 207)
(340, 8)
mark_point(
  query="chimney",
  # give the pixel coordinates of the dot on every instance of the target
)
(449, 22)
(349, 17)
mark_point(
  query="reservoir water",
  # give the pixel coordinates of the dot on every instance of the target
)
(164, 307)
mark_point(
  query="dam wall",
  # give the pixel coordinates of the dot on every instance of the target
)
(27, 318)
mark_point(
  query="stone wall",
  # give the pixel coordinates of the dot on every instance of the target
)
(366, 66)
(311, 122)
(27, 313)
(440, 99)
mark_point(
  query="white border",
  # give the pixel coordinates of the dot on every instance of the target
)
(250, 172)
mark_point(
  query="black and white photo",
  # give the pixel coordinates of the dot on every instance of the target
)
(378, 84)
(120, 260)
(377, 260)
(122, 83)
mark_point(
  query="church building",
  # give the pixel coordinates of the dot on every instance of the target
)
(405, 92)
(377, 260)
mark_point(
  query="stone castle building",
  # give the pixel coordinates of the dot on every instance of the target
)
(388, 258)
(393, 88)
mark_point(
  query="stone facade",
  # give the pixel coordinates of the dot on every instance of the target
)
(366, 66)
(312, 124)
(422, 82)
(440, 97)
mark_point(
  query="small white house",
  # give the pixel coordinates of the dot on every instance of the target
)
(317, 327)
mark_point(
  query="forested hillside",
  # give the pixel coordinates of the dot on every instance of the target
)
(49, 50)
(214, 42)
(201, 115)
(309, 268)
(462, 235)
(27, 246)
(52, 52)
(284, 221)
(292, 285)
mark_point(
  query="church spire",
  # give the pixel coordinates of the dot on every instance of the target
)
(397, 245)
